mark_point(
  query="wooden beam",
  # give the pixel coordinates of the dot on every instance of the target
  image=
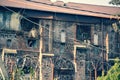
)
(46, 54)
(25, 50)
(81, 46)
(113, 59)
(13, 51)
(10, 51)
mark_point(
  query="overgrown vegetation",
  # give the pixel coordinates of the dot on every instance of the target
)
(113, 73)
(115, 2)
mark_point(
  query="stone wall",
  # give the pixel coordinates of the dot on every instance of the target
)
(65, 49)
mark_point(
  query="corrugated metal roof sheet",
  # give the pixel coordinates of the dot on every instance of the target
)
(59, 7)
(96, 8)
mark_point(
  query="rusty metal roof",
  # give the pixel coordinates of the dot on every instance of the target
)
(60, 7)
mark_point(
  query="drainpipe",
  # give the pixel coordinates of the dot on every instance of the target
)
(102, 36)
(40, 54)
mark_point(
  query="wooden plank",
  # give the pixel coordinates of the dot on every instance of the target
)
(46, 54)
(10, 51)
(81, 46)
(13, 51)
(25, 50)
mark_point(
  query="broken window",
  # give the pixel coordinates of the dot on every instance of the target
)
(81, 53)
(83, 32)
(9, 21)
(28, 25)
(32, 43)
(9, 43)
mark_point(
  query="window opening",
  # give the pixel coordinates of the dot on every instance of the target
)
(9, 41)
(83, 32)
(31, 43)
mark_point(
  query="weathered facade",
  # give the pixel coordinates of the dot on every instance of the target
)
(49, 45)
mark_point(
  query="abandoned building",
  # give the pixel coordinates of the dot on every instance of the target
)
(41, 40)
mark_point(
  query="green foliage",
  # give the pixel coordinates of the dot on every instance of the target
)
(113, 73)
(115, 2)
(18, 73)
(32, 71)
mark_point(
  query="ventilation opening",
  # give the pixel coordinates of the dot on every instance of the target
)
(31, 43)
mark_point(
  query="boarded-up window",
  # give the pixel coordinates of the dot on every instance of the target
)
(95, 39)
(63, 36)
(15, 21)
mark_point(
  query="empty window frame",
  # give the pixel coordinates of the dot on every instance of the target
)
(9, 43)
(28, 25)
(32, 43)
(83, 32)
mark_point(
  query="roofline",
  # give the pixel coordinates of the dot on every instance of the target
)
(91, 13)
(95, 5)
(70, 7)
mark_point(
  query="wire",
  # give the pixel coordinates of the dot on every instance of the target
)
(37, 64)
(54, 31)
(24, 17)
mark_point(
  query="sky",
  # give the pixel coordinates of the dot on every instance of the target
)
(95, 2)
